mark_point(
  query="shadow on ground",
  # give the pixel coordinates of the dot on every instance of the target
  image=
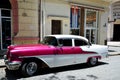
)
(13, 75)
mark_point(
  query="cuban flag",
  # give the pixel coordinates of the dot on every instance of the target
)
(74, 17)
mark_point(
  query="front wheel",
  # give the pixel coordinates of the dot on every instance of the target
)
(92, 61)
(29, 68)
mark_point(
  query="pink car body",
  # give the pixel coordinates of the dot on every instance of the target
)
(66, 51)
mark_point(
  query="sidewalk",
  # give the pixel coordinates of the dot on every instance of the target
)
(2, 64)
(114, 49)
(113, 43)
(113, 53)
(2, 53)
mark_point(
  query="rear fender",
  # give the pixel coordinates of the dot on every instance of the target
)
(98, 57)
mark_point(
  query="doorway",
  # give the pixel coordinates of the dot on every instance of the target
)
(91, 19)
(116, 32)
(6, 32)
(5, 24)
(56, 26)
(90, 35)
(5, 28)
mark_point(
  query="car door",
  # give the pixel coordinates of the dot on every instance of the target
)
(81, 56)
(65, 54)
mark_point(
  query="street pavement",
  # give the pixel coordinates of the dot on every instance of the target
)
(107, 69)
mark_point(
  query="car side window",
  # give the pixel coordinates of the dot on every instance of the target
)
(65, 42)
(50, 41)
(79, 42)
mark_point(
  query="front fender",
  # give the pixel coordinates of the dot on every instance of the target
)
(46, 59)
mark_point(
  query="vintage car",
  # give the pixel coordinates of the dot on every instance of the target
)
(55, 51)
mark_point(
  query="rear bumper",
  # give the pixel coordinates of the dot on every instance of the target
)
(13, 65)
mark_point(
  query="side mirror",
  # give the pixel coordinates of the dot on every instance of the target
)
(90, 43)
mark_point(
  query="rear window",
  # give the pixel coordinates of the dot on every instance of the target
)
(80, 42)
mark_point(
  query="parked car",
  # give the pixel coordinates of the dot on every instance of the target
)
(55, 51)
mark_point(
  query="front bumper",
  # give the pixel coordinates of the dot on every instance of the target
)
(12, 65)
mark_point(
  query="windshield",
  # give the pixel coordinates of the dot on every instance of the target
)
(50, 41)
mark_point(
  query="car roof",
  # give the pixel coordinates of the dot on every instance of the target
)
(68, 36)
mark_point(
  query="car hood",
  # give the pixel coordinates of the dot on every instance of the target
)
(28, 46)
(31, 50)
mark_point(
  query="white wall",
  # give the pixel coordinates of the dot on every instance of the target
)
(57, 11)
(103, 27)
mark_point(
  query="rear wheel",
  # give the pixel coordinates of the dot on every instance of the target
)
(93, 61)
(29, 68)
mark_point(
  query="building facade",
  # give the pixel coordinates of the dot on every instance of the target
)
(28, 21)
(114, 22)
(77, 17)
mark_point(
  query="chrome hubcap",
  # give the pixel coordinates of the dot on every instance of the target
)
(93, 61)
(31, 68)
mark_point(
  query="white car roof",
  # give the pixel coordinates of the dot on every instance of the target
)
(68, 36)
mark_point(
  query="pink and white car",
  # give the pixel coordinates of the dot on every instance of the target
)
(55, 51)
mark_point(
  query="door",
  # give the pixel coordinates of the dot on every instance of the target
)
(80, 55)
(56, 26)
(65, 54)
(116, 33)
(6, 32)
(5, 28)
(91, 19)
(90, 35)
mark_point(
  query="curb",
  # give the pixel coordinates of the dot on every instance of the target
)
(114, 54)
(113, 45)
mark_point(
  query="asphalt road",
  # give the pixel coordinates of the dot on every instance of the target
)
(107, 69)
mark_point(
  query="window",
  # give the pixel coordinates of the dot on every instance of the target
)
(75, 20)
(5, 27)
(50, 41)
(91, 18)
(80, 43)
(6, 13)
(65, 42)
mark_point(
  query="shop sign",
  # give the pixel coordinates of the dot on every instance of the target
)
(116, 10)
